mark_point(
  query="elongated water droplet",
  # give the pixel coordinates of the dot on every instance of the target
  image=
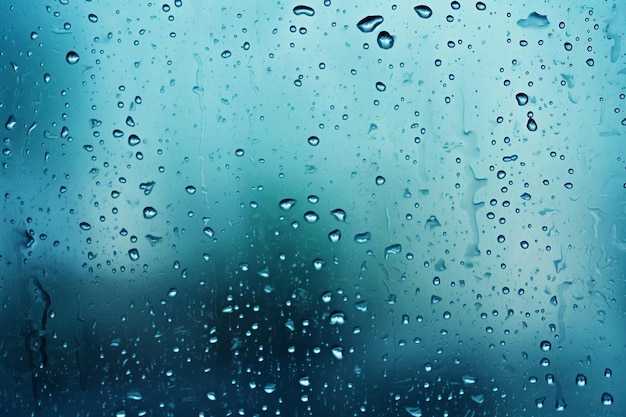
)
(369, 23)
(72, 57)
(339, 214)
(287, 203)
(303, 10)
(531, 124)
(423, 11)
(85, 226)
(92, 18)
(393, 249)
(10, 123)
(362, 237)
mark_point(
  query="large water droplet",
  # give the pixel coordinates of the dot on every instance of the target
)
(393, 249)
(337, 352)
(481, 6)
(149, 212)
(385, 40)
(581, 380)
(531, 124)
(362, 237)
(423, 11)
(133, 254)
(522, 99)
(303, 10)
(313, 140)
(607, 399)
(311, 217)
(287, 203)
(334, 236)
(339, 214)
(133, 140)
(72, 57)
(369, 23)
(92, 18)
(337, 318)
(85, 226)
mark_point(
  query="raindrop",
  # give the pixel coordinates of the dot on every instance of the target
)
(590, 62)
(318, 264)
(531, 124)
(313, 140)
(149, 212)
(304, 381)
(190, 189)
(226, 54)
(545, 345)
(481, 6)
(581, 380)
(337, 352)
(380, 180)
(414, 411)
(539, 402)
(334, 236)
(423, 11)
(369, 23)
(303, 10)
(522, 99)
(133, 254)
(92, 18)
(339, 214)
(380, 86)
(239, 152)
(172, 292)
(85, 226)
(524, 244)
(133, 140)
(208, 231)
(287, 203)
(337, 318)
(362, 237)
(393, 249)
(311, 217)
(72, 57)
(385, 40)
(10, 123)
(607, 399)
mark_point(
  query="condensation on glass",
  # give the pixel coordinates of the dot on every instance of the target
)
(296, 209)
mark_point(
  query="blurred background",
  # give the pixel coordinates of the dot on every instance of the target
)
(275, 208)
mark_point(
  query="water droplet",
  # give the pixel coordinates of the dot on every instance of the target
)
(362, 237)
(539, 402)
(304, 381)
(590, 62)
(212, 397)
(239, 152)
(313, 140)
(608, 373)
(72, 57)
(226, 54)
(501, 238)
(369, 23)
(423, 11)
(337, 352)
(46, 78)
(393, 249)
(362, 305)
(133, 140)
(208, 231)
(380, 180)
(469, 379)
(554, 302)
(524, 244)
(149, 212)
(133, 254)
(327, 296)
(92, 18)
(385, 40)
(334, 236)
(269, 388)
(10, 123)
(522, 99)
(339, 214)
(311, 217)
(501, 174)
(303, 10)
(531, 124)
(581, 380)
(481, 6)
(337, 318)
(414, 411)
(381, 86)
(287, 203)
(545, 345)
(313, 199)
(190, 189)
(85, 226)
(172, 292)
(568, 185)
(525, 196)
(318, 264)
(607, 399)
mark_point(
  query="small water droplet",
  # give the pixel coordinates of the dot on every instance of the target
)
(47, 77)
(531, 124)
(304, 381)
(226, 54)
(133, 254)
(524, 244)
(362, 305)
(85, 226)
(369, 23)
(149, 212)
(208, 231)
(545, 345)
(313, 140)
(10, 123)
(318, 264)
(393, 249)
(327, 296)
(385, 40)
(362, 237)
(339, 214)
(172, 292)
(303, 10)
(92, 18)
(423, 11)
(481, 6)
(380, 180)
(590, 62)
(239, 152)
(190, 189)
(539, 402)
(337, 352)
(381, 86)
(581, 380)
(337, 318)
(72, 57)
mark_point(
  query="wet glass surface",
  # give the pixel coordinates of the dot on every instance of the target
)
(296, 209)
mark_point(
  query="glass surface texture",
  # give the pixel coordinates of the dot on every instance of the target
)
(307, 209)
